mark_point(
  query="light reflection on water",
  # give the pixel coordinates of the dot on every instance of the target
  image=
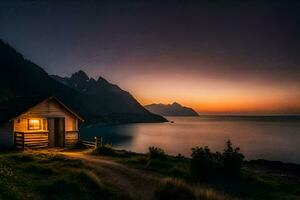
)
(258, 138)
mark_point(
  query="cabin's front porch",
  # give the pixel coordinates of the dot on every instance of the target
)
(42, 139)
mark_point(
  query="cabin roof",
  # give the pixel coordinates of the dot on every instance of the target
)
(15, 106)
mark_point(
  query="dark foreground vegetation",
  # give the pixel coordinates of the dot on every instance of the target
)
(205, 175)
(50, 176)
(213, 175)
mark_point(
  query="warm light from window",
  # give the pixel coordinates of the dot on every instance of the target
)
(34, 124)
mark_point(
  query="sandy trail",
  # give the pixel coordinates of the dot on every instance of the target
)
(138, 183)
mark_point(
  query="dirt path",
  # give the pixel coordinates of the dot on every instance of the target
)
(139, 184)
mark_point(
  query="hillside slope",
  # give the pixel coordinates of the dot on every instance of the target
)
(174, 109)
(110, 97)
(21, 77)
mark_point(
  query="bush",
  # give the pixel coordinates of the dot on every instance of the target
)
(174, 189)
(157, 153)
(204, 164)
(232, 160)
(106, 150)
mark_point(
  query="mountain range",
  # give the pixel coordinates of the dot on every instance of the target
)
(174, 109)
(95, 100)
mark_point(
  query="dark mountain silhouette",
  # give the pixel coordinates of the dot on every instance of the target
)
(110, 97)
(102, 102)
(174, 109)
(82, 83)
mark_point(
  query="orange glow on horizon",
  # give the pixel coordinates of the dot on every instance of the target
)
(208, 96)
(237, 107)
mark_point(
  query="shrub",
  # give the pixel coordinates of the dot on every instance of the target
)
(204, 164)
(157, 153)
(105, 150)
(180, 156)
(174, 189)
(232, 160)
(88, 180)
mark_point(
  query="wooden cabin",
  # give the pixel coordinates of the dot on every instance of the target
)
(36, 122)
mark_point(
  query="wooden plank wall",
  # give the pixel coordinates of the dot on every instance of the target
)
(39, 138)
(71, 138)
(31, 140)
(45, 110)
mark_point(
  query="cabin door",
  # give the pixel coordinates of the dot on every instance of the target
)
(56, 132)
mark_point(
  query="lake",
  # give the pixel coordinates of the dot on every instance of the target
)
(272, 138)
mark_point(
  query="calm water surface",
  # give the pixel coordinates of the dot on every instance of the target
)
(272, 139)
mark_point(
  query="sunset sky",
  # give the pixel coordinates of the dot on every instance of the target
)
(224, 58)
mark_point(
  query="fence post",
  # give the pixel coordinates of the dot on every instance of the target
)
(96, 142)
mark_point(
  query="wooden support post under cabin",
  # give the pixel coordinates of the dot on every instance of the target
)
(15, 139)
(23, 141)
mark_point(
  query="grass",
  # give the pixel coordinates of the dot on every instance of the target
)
(204, 193)
(172, 188)
(50, 176)
(170, 165)
(252, 184)
(175, 189)
(53, 176)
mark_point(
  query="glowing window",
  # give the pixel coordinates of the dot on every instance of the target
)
(34, 124)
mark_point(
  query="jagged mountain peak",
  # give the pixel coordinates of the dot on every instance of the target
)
(176, 104)
(104, 105)
(81, 82)
(80, 76)
(102, 80)
(92, 80)
(108, 95)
